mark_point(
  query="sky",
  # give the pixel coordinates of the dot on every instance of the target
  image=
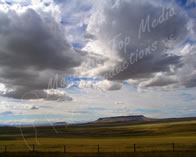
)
(78, 60)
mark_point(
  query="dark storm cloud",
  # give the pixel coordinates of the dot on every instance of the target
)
(33, 49)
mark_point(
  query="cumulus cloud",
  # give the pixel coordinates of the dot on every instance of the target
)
(34, 107)
(33, 48)
(109, 85)
(187, 74)
(46, 94)
(139, 41)
(132, 50)
(159, 80)
(103, 85)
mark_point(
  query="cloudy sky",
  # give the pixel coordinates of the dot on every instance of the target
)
(78, 60)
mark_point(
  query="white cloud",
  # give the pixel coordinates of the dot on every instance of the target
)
(2, 88)
(103, 85)
(116, 38)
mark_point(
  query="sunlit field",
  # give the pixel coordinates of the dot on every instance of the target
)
(175, 136)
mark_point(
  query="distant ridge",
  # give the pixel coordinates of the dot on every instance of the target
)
(60, 123)
(134, 118)
(4, 125)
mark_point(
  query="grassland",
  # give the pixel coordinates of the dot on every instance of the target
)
(138, 154)
(147, 137)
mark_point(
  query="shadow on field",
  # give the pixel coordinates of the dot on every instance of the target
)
(138, 154)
